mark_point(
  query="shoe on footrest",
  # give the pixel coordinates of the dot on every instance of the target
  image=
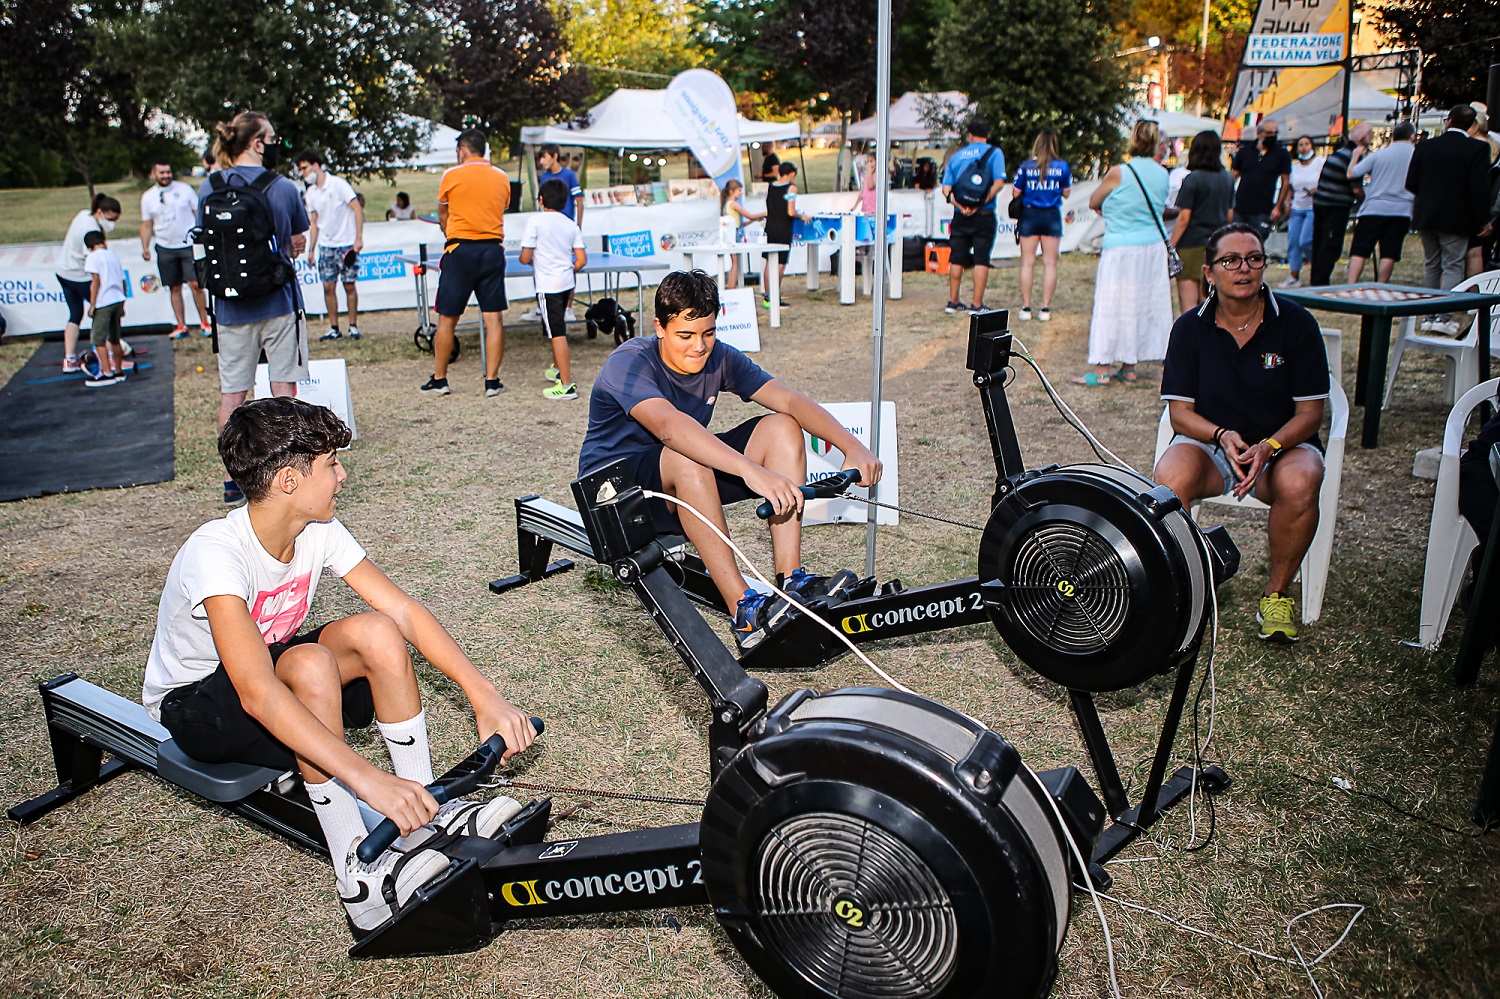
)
(757, 617)
(807, 586)
(374, 892)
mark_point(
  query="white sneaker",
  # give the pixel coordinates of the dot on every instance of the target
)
(568, 316)
(531, 315)
(1291, 282)
(1025, 312)
(1427, 322)
(1447, 327)
(373, 892)
(463, 818)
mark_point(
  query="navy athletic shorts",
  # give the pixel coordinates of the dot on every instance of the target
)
(476, 269)
(645, 466)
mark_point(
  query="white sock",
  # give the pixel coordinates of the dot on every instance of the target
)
(337, 810)
(407, 743)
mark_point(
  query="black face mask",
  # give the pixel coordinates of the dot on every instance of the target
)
(1268, 143)
(269, 155)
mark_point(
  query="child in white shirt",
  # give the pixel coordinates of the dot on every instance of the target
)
(106, 309)
(231, 679)
(553, 246)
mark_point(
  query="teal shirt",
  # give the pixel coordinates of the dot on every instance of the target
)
(1128, 219)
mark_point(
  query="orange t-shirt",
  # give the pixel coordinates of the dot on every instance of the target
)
(477, 194)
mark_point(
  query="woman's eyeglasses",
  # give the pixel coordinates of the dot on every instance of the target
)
(1234, 262)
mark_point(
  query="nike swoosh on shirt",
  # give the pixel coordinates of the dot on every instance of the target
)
(409, 742)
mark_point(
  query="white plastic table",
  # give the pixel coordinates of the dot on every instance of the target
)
(721, 250)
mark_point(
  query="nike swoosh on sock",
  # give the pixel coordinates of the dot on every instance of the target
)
(320, 801)
(409, 742)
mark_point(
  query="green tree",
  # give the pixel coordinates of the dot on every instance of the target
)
(631, 43)
(1030, 64)
(1458, 43)
(347, 77)
(1202, 72)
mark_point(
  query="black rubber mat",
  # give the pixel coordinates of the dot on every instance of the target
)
(59, 436)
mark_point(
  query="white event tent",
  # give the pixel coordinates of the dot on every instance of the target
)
(906, 122)
(637, 119)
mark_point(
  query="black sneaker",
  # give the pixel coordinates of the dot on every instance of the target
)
(435, 386)
(953, 308)
(354, 332)
(332, 334)
(757, 617)
(493, 387)
(805, 586)
(232, 492)
(102, 379)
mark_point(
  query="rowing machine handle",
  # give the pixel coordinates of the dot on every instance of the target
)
(478, 766)
(822, 489)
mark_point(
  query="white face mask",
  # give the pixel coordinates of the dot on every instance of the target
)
(1304, 157)
(108, 225)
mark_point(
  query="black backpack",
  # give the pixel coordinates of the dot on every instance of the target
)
(972, 187)
(240, 258)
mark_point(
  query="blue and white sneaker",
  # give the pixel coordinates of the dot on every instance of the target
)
(806, 586)
(758, 616)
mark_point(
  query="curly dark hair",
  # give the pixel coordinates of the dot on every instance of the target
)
(690, 294)
(262, 437)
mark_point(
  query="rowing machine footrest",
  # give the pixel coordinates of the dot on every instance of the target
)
(449, 916)
(221, 782)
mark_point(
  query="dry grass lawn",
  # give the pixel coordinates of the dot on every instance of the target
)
(141, 890)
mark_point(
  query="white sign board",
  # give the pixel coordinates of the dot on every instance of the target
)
(739, 323)
(823, 460)
(326, 384)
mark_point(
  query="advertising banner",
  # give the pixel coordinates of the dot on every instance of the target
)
(739, 323)
(824, 460)
(701, 104)
(1294, 54)
(326, 384)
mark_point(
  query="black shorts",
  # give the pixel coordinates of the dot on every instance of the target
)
(552, 305)
(209, 723)
(645, 466)
(75, 295)
(1387, 230)
(175, 266)
(476, 269)
(971, 239)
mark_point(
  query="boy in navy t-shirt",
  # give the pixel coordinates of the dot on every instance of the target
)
(651, 405)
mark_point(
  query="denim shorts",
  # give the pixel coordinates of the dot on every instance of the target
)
(1221, 460)
(1040, 222)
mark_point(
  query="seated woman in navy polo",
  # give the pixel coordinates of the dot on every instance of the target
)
(1245, 380)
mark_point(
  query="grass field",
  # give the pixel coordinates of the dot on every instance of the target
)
(1355, 761)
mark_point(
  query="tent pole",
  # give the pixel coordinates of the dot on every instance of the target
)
(879, 254)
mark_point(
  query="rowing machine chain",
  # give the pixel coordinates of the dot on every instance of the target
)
(915, 513)
(501, 783)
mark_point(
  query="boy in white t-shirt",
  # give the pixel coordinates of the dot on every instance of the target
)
(335, 240)
(231, 679)
(553, 246)
(106, 309)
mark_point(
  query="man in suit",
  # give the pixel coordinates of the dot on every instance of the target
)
(1447, 177)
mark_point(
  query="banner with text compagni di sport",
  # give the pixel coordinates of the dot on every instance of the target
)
(1292, 69)
(701, 104)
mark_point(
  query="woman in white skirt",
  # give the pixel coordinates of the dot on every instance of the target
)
(1132, 291)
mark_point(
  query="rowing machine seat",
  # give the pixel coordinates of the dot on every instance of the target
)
(220, 782)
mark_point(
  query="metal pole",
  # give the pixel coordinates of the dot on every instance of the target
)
(1348, 69)
(878, 258)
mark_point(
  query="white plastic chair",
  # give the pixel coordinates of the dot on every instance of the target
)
(1461, 352)
(1450, 539)
(1314, 568)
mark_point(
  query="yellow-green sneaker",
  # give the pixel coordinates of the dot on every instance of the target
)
(560, 392)
(1277, 619)
(552, 374)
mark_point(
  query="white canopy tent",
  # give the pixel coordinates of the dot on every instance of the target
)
(440, 149)
(906, 122)
(1173, 124)
(637, 119)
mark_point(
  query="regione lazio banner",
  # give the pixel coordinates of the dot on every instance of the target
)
(1293, 56)
(702, 105)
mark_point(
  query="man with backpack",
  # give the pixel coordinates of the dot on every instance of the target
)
(254, 301)
(974, 176)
